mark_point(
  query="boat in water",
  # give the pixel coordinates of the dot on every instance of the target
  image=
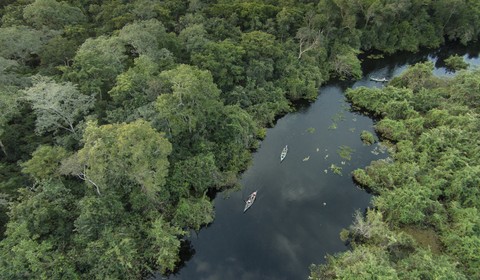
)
(250, 201)
(284, 153)
(381, 80)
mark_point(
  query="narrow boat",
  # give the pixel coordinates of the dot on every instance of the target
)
(250, 201)
(284, 153)
(381, 80)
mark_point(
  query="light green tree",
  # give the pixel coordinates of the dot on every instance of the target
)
(115, 156)
(58, 106)
(165, 244)
(45, 162)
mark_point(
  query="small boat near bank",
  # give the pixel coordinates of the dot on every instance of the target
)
(284, 153)
(250, 201)
(380, 80)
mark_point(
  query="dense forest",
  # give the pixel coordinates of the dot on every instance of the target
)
(117, 118)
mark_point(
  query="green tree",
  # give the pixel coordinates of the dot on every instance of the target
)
(224, 60)
(407, 204)
(363, 263)
(198, 174)
(110, 15)
(261, 52)
(21, 43)
(367, 137)
(58, 52)
(193, 213)
(262, 102)
(193, 38)
(135, 91)
(24, 256)
(302, 78)
(189, 101)
(37, 234)
(96, 64)
(310, 36)
(464, 186)
(45, 162)
(432, 182)
(115, 156)
(52, 14)
(9, 107)
(417, 77)
(424, 265)
(235, 135)
(149, 38)
(113, 256)
(345, 63)
(456, 62)
(96, 215)
(165, 244)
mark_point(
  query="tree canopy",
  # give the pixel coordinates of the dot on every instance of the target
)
(119, 117)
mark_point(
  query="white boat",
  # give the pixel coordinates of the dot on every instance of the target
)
(250, 201)
(381, 80)
(284, 153)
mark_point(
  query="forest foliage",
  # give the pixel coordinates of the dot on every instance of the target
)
(119, 116)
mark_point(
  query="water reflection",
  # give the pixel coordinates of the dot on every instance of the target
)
(300, 209)
(301, 204)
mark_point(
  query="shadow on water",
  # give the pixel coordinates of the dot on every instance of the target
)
(302, 204)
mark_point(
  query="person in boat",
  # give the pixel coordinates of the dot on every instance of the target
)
(250, 198)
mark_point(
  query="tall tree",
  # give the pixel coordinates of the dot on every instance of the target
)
(58, 106)
(38, 233)
(45, 162)
(149, 38)
(224, 60)
(52, 14)
(22, 43)
(189, 101)
(116, 157)
(96, 64)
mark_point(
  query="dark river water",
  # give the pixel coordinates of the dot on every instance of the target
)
(302, 205)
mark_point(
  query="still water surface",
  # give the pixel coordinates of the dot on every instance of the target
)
(301, 205)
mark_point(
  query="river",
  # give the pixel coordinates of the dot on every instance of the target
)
(302, 205)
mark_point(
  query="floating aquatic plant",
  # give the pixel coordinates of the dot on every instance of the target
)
(336, 169)
(345, 152)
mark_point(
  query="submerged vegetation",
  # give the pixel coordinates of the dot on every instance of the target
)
(118, 117)
(424, 223)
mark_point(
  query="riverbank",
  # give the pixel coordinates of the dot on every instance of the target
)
(426, 191)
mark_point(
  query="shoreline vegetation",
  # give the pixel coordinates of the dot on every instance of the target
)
(424, 221)
(118, 117)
